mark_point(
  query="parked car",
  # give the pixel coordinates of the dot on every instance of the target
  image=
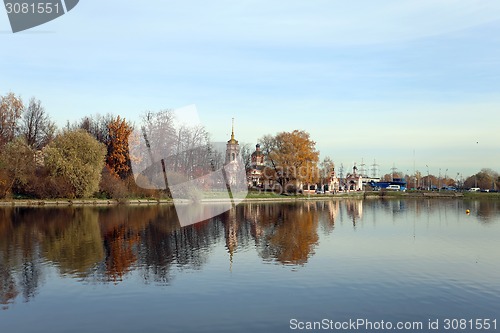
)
(474, 189)
(449, 188)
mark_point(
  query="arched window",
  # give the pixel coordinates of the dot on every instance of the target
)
(234, 156)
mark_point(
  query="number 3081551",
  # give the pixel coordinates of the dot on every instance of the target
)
(32, 8)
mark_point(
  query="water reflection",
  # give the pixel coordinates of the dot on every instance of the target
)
(354, 210)
(104, 245)
(284, 233)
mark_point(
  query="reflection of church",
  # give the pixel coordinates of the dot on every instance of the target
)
(231, 235)
(333, 209)
(354, 209)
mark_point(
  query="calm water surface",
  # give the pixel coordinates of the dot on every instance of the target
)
(253, 269)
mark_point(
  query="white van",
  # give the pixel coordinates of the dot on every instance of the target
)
(474, 189)
(393, 187)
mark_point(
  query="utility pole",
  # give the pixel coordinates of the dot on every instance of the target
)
(362, 169)
(374, 169)
(393, 169)
(429, 183)
(341, 173)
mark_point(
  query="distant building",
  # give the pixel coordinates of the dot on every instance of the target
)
(354, 180)
(334, 183)
(231, 164)
(254, 173)
(232, 148)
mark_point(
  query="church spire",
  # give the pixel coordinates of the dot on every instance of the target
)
(233, 140)
(232, 131)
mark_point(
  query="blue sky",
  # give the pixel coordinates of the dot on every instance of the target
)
(400, 82)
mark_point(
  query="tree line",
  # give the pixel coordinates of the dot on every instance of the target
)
(87, 158)
(485, 179)
(91, 157)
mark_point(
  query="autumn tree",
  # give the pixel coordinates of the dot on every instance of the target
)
(293, 156)
(485, 179)
(17, 164)
(11, 108)
(78, 158)
(118, 159)
(36, 126)
(429, 181)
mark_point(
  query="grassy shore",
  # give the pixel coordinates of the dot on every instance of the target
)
(254, 196)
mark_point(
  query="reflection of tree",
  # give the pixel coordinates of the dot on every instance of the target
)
(121, 228)
(164, 243)
(100, 244)
(486, 210)
(20, 256)
(289, 232)
(119, 244)
(8, 289)
(104, 244)
(76, 247)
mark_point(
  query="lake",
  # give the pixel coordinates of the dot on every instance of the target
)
(261, 267)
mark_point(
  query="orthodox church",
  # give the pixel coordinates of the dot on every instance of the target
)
(334, 182)
(254, 174)
(354, 180)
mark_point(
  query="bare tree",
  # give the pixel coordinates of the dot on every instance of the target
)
(11, 107)
(36, 126)
(326, 167)
(96, 126)
(246, 154)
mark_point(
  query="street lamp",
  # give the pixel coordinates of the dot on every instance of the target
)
(428, 179)
(439, 180)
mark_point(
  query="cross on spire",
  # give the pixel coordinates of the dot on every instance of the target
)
(233, 140)
(232, 131)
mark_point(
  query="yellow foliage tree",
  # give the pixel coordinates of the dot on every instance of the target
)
(293, 156)
(78, 158)
(118, 158)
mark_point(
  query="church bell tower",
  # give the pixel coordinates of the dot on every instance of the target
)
(232, 147)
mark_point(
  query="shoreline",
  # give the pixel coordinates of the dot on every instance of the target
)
(251, 199)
